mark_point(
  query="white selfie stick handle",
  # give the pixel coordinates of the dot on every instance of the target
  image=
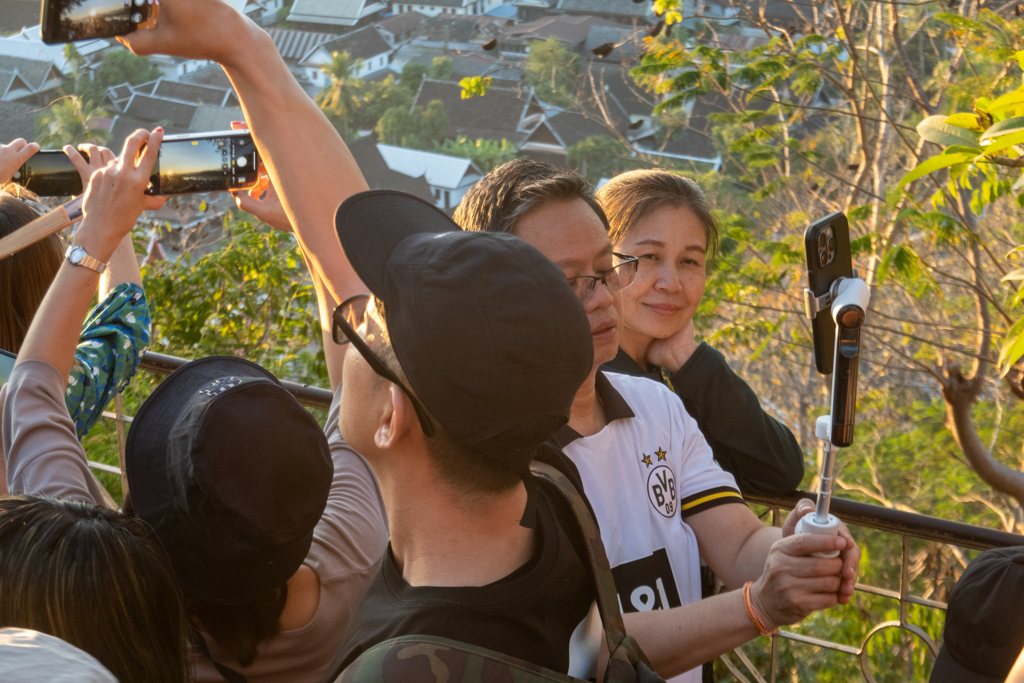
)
(820, 521)
(809, 525)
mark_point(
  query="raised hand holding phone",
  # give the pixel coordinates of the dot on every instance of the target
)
(13, 155)
(111, 206)
(115, 197)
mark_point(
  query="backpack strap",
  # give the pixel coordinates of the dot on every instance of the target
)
(626, 654)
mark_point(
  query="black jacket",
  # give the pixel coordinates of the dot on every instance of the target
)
(759, 451)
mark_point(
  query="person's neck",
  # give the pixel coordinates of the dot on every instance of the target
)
(440, 538)
(587, 416)
(635, 345)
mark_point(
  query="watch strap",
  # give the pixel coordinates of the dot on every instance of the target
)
(83, 259)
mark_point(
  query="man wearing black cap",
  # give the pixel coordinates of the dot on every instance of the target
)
(465, 360)
(452, 378)
(984, 631)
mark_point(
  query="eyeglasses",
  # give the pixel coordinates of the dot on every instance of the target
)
(615, 278)
(350, 317)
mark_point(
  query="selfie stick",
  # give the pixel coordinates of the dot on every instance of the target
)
(41, 228)
(850, 298)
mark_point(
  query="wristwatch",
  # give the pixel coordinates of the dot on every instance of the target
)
(78, 257)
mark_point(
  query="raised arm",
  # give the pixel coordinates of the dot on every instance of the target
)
(113, 202)
(788, 586)
(40, 446)
(305, 156)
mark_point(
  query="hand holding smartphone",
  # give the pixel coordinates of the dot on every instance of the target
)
(67, 21)
(188, 164)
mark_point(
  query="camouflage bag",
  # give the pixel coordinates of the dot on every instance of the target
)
(429, 659)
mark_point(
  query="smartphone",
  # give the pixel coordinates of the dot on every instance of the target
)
(207, 162)
(50, 173)
(827, 245)
(67, 21)
(6, 365)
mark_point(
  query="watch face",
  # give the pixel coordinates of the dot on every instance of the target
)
(76, 254)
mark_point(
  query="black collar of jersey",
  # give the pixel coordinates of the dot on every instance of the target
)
(615, 408)
(624, 363)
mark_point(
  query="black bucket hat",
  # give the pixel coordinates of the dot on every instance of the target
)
(232, 474)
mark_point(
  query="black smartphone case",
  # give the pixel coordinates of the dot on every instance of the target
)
(826, 263)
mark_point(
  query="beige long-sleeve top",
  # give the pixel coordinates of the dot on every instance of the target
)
(44, 457)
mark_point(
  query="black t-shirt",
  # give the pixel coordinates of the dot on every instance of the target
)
(530, 614)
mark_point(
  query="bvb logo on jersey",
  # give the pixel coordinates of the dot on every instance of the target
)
(661, 489)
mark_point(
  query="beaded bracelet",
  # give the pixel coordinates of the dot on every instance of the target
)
(755, 616)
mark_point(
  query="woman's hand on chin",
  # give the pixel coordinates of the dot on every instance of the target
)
(673, 352)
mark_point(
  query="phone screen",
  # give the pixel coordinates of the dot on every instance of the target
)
(6, 365)
(50, 173)
(73, 20)
(210, 163)
(193, 165)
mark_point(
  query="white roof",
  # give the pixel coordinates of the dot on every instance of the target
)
(337, 12)
(439, 170)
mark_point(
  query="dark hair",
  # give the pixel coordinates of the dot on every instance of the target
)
(97, 580)
(25, 276)
(630, 197)
(510, 191)
(467, 470)
(239, 629)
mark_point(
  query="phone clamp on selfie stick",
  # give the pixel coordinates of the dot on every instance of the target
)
(849, 298)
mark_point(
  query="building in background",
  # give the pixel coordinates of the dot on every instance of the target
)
(365, 44)
(335, 15)
(449, 177)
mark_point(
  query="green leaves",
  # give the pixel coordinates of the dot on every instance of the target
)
(1004, 127)
(1012, 349)
(935, 129)
(934, 164)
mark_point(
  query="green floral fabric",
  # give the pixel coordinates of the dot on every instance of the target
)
(109, 350)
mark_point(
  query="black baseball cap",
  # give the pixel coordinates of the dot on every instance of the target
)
(232, 474)
(490, 335)
(984, 631)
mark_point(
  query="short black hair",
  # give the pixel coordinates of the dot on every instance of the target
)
(510, 191)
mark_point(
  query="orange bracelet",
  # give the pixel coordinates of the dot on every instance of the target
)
(755, 616)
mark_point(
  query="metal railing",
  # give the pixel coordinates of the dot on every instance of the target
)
(906, 525)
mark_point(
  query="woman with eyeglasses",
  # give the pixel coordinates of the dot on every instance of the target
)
(117, 330)
(667, 222)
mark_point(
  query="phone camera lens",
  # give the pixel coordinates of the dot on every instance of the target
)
(831, 244)
(822, 239)
(822, 258)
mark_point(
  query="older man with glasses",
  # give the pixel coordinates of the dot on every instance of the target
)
(661, 500)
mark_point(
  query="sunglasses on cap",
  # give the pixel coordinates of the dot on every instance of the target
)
(347, 320)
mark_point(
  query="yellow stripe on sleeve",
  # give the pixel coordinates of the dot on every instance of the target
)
(708, 499)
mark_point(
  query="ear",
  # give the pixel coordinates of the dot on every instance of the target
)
(395, 420)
